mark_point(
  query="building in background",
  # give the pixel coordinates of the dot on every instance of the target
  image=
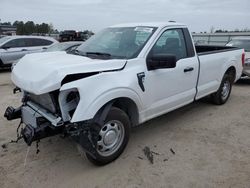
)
(7, 30)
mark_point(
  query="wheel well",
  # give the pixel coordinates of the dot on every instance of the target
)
(232, 72)
(129, 107)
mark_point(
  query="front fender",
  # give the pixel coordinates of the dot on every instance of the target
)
(84, 112)
(97, 90)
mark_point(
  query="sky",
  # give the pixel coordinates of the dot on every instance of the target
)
(199, 15)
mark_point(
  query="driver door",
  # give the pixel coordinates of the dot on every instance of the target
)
(169, 88)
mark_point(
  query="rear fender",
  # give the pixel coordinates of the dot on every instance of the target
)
(225, 68)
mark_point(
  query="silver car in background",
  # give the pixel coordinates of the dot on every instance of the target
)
(12, 48)
(243, 42)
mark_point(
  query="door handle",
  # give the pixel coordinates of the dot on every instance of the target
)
(188, 69)
(24, 50)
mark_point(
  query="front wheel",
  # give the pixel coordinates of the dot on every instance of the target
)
(112, 137)
(221, 96)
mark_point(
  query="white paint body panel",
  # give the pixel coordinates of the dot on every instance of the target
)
(213, 67)
(246, 69)
(43, 72)
(165, 89)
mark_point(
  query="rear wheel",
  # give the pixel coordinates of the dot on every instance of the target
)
(221, 96)
(112, 137)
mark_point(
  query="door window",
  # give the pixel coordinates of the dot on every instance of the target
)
(41, 42)
(15, 43)
(171, 42)
(29, 42)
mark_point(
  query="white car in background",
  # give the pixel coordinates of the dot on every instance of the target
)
(243, 42)
(13, 48)
(68, 47)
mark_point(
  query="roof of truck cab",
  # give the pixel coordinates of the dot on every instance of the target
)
(149, 24)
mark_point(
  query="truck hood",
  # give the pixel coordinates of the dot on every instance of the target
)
(40, 73)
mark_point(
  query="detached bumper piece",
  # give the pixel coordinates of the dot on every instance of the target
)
(12, 113)
(31, 134)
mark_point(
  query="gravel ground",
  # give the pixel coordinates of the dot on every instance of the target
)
(199, 145)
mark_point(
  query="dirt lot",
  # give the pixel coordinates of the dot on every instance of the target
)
(200, 145)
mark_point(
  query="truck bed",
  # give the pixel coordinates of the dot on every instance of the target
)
(209, 49)
(213, 60)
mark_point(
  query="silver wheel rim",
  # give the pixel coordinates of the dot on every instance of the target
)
(225, 90)
(110, 138)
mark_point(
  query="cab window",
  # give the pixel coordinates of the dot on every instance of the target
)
(171, 42)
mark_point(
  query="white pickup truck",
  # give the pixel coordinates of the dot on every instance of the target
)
(121, 77)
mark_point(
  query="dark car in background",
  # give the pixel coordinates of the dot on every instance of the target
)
(71, 35)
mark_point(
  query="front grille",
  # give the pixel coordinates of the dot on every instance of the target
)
(47, 101)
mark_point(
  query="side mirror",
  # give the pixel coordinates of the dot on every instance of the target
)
(161, 61)
(5, 47)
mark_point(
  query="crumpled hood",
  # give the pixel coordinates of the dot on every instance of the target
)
(40, 73)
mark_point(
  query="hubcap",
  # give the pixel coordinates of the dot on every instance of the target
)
(225, 90)
(110, 138)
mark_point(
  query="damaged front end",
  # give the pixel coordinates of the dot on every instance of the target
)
(49, 114)
(38, 122)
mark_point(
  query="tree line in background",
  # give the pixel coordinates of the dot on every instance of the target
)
(30, 27)
(212, 30)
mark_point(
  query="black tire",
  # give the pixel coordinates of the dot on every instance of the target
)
(115, 114)
(1, 64)
(218, 98)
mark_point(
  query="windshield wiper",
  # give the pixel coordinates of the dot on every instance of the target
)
(98, 54)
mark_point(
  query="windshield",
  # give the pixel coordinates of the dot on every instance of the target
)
(240, 44)
(119, 42)
(2, 40)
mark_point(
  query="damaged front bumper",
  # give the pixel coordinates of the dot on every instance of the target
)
(39, 124)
